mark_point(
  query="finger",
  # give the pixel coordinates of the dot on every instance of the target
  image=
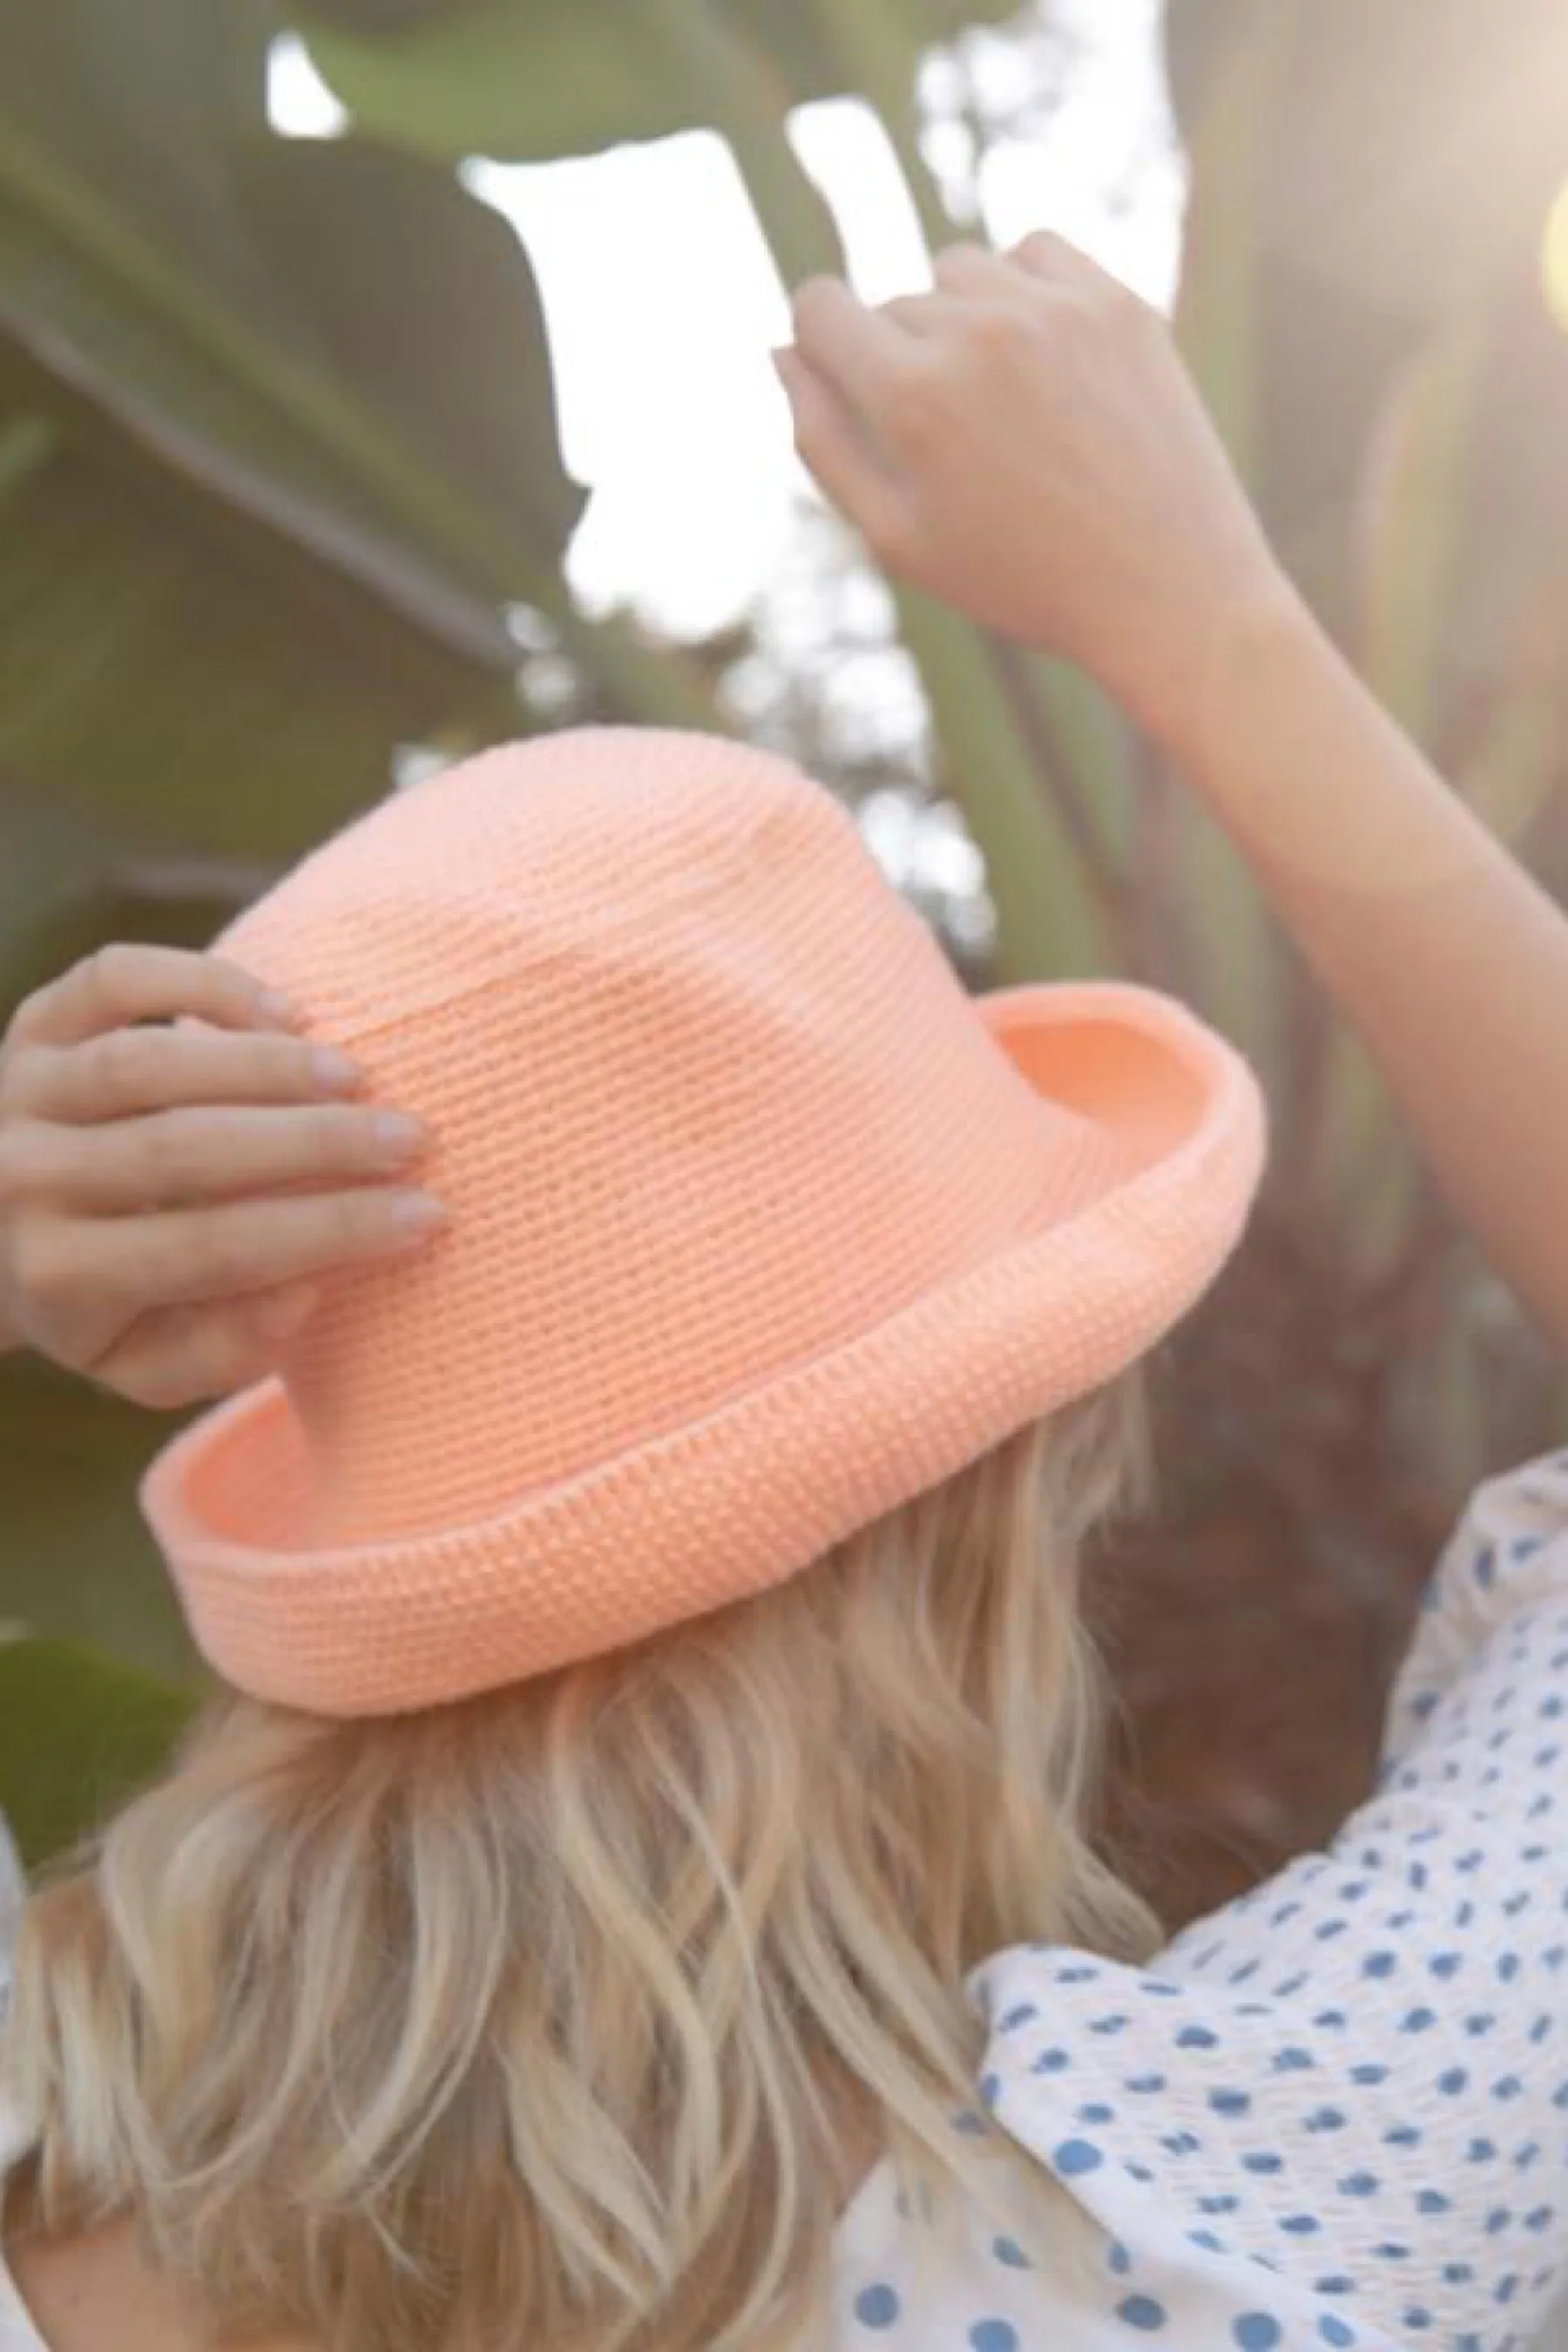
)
(132, 1071)
(122, 984)
(835, 454)
(184, 1256)
(192, 1156)
(970, 273)
(857, 352)
(1050, 259)
(181, 1357)
(919, 315)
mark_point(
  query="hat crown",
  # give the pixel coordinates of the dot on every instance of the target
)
(703, 1096)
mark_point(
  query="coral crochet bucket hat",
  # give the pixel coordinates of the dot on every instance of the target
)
(758, 1224)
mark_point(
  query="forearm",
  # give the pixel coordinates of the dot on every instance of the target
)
(1444, 955)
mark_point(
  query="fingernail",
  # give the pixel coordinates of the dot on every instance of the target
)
(277, 1007)
(334, 1073)
(397, 1137)
(416, 1213)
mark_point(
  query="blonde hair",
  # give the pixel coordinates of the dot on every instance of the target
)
(539, 2019)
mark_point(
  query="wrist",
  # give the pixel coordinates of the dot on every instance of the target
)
(1230, 643)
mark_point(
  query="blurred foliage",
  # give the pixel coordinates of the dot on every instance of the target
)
(279, 466)
(104, 1727)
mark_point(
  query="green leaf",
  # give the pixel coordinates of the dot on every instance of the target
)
(76, 1556)
(1231, 962)
(403, 281)
(526, 80)
(79, 1733)
(150, 252)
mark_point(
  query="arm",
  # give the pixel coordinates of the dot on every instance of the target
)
(1436, 945)
(1026, 443)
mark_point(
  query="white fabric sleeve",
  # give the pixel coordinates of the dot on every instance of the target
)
(1356, 2078)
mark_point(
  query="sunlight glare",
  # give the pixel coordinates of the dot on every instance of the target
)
(1554, 260)
(299, 104)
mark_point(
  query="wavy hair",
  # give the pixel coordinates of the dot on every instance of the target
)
(566, 2015)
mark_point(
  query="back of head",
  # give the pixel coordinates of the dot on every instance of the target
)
(554, 2016)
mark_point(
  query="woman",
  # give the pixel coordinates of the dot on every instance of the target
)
(637, 1896)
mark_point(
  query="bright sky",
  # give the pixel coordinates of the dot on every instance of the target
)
(663, 302)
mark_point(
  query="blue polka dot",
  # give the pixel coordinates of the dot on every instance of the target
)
(1369, 2074)
(994, 2336)
(1119, 2259)
(1379, 1964)
(1229, 2103)
(1432, 2200)
(1452, 2082)
(1480, 2151)
(1218, 2204)
(1197, 2037)
(877, 2306)
(1392, 2252)
(971, 2125)
(1507, 2086)
(1293, 2061)
(1144, 2083)
(1262, 2163)
(1359, 2184)
(1445, 1964)
(1322, 2119)
(1022, 2015)
(1336, 2332)
(1417, 2021)
(1301, 2225)
(1009, 2251)
(1107, 2025)
(1417, 2317)
(990, 2088)
(1401, 2136)
(1335, 2283)
(1457, 2273)
(1329, 2019)
(1141, 2311)
(1050, 2062)
(1206, 2239)
(1255, 2332)
(1539, 2219)
(1097, 2113)
(1183, 2143)
(1479, 2021)
(1508, 1967)
(1485, 1566)
(1077, 2155)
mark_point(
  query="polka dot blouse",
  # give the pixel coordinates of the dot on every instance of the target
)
(1333, 2113)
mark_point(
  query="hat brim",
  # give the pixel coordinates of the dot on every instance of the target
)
(1179, 1135)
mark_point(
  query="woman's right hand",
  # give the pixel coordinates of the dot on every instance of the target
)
(157, 1122)
(1026, 443)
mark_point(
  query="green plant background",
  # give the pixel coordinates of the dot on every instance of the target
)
(279, 462)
